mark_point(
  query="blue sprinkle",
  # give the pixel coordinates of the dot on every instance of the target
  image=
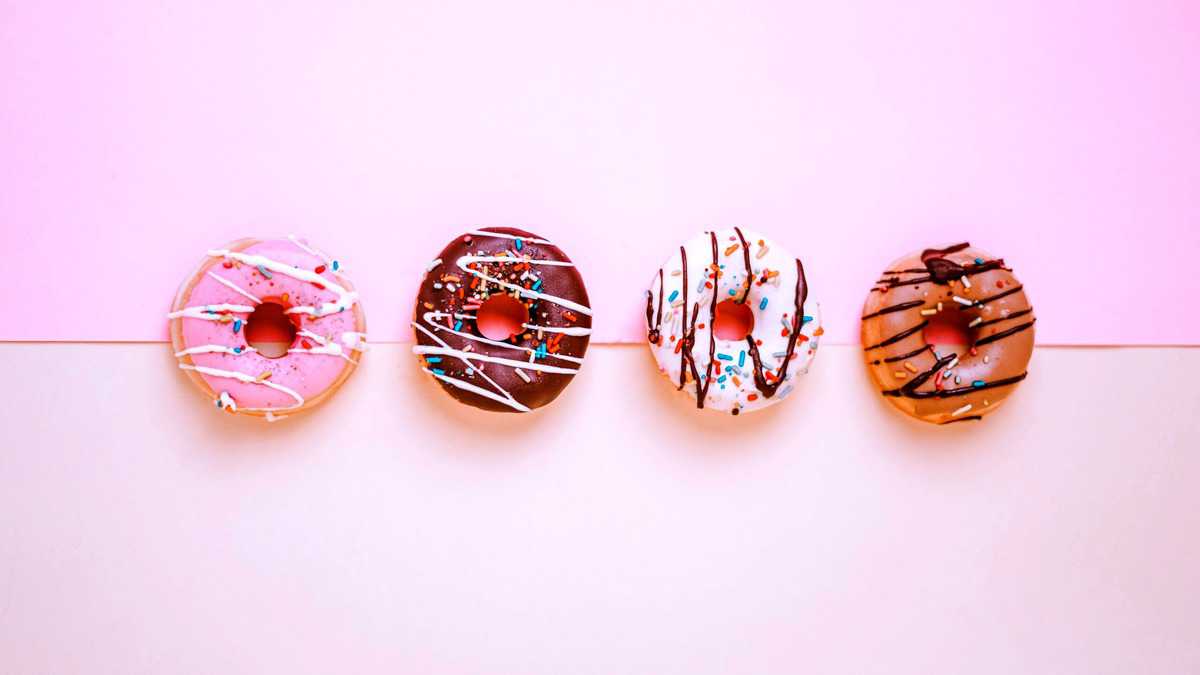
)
(807, 318)
(519, 244)
(433, 359)
(537, 284)
(721, 378)
(724, 357)
(458, 325)
(763, 304)
(438, 371)
(979, 261)
(237, 325)
(729, 369)
(674, 294)
(335, 265)
(263, 271)
(732, 292)
(237, 350)
(742, 359)
(977, 383)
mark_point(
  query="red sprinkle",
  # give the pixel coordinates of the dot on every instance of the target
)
(320, 268)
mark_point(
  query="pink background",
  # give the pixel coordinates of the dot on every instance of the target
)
(616, 531)
(1063, 136)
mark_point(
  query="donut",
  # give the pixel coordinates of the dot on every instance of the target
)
(947, 333)
(282, 295)
(726, 321)
(502, 321)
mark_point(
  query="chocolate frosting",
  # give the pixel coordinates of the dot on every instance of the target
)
(528, 370)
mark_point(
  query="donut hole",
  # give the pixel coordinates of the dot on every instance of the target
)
(950, 328)
(270, 331)
(734, 320)
(500, 317)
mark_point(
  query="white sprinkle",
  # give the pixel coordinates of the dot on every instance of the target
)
(978, 320)
(952, 363)
(987, 359)
(928, 312)
(521, 374)
(451, 287)
(433, 264)
(939, 307)
(961, 410)
(966, 281)
(963, 301)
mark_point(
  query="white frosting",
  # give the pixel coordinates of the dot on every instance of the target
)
(772, 303)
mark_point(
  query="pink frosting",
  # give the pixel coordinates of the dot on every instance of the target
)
(307, 374)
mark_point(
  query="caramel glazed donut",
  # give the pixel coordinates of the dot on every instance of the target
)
(505, 279)
(959, 285)
(741, 298)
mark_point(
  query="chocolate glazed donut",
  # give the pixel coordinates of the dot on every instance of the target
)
(502, 320)
(958, 290)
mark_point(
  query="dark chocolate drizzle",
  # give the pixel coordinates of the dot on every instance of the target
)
(969, 418)
(655, 334)
(894, 308)
(687, 360)
(908, 355)
(1002, 294)
(996, 337)
(940, 270)
(689, 338)
(1014, 315)
(768, 389)
(950, 393)
(897, 337)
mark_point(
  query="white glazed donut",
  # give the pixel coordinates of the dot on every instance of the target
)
(737, 364)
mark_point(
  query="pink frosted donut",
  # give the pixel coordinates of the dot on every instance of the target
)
(288, 298)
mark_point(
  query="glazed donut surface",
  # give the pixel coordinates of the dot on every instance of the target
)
(977, 295)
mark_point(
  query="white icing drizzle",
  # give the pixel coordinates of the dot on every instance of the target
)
(516, 405)
(428, 316)
(215, 349)
(328, 347)
(220, 312)
(566, 330)
(501, 235)
(249, 379)
(234, 286)
(317, 253)
(346, 298)
(355, 340)
(209, 312)
(472, 359)
(562, 302)
(466, 357)
(226, 402)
